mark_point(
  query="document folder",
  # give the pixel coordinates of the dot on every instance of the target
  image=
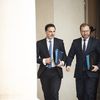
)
(90, 60)
(58, 56)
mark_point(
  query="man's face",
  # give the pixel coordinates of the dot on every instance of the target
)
(50, 32)
(85, 32)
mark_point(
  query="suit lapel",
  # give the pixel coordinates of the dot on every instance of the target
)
(54, 48)
(45, 47)
(80, 45)
(89, 45)
(54, 45)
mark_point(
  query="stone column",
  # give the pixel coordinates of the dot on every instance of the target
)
(17, 50)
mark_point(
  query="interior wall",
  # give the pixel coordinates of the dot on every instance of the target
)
(44, 15)
(67, 15)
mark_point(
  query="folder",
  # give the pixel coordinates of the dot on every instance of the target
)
(90, 60)
(58, 56)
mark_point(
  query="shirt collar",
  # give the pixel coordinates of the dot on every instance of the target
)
(86, 39)
(49, 39)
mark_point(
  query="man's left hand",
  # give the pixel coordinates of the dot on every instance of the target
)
(95, 68)
(61, 63)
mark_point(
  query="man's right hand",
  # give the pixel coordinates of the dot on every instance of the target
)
(47, 60)
(68, 68)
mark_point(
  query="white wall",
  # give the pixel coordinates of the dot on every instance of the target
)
(67, 15)
(44, 14)
(17, 43)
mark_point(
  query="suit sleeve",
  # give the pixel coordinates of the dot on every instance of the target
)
(39, 60)
(71, 54)
(64, 56)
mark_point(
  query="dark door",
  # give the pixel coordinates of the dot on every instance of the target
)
(92, 15)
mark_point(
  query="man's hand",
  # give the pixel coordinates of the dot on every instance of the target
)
(61, 63)
(95, 68)
(47, 60)
(68, 68)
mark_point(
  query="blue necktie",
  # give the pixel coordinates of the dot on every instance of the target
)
(50, 53)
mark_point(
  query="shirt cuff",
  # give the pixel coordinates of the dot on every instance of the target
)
(44, 62)
(62, 63)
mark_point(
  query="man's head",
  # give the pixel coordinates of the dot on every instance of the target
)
(85, 30)
(50, 30)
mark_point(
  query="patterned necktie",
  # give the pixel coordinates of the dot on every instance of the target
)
(50, 53)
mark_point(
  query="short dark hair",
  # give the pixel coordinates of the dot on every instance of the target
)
(83, 25)
(49, 25)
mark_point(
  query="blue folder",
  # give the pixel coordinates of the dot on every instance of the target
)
(88, 62)
(58, 56)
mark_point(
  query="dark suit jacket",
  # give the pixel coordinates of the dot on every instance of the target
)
(93, 48)
(42, 52)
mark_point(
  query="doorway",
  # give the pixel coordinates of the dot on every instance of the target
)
(92, 15)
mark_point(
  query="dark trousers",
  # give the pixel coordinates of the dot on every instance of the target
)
(86, 88)
(51, 82)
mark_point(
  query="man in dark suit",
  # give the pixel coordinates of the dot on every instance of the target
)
(49, 72)
(87, 51)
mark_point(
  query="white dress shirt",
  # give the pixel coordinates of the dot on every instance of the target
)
(86, 42)
(48, 44)
(52, 59)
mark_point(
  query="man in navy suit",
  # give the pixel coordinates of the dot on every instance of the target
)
(49, 72)
(87, 51)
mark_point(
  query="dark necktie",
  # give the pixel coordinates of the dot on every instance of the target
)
(84, 54)
(84, 46)
(50, 53)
